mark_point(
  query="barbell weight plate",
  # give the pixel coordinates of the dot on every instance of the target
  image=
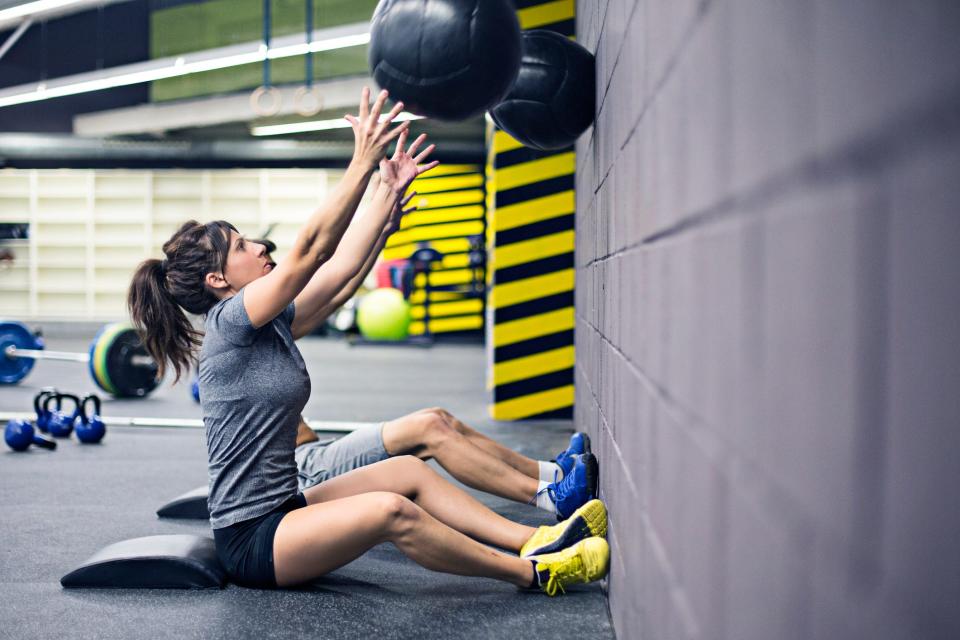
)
(93, 357)
(100, 348)
(13, 370)
(131, 380)
(100, 364)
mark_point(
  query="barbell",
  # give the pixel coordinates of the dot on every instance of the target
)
(187, 423)
(118, 362)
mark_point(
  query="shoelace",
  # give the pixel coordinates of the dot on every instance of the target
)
(548, 490)
(562, 483)
(554, 581)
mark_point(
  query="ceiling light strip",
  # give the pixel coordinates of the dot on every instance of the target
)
(31, 8)
(235, 55)
(318, 125)
(47, 10)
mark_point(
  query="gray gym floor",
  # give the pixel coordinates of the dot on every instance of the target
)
(60, 507)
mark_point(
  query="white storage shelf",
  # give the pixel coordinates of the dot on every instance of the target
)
(89, 229)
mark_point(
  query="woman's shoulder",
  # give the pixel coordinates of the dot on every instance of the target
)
(229, 318)
(218, 307)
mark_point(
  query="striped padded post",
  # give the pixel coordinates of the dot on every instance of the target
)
(450, 201)
(530, 273)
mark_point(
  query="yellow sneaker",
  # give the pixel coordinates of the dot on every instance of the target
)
(587, 521)
(586, 561)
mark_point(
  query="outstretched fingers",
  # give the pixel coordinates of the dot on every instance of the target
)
(364, 105)
(374, 116)
(421, 158)
(423, 154)
(387, 119)
(397, 131)
(402, 140)
(423, 169)
(416, 144)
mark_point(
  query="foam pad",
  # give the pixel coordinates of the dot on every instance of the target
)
(153, 562)
(192, 505)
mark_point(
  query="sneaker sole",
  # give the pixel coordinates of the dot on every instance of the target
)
(590, 522)
(593, 473)
(586, 443)
(596, 517)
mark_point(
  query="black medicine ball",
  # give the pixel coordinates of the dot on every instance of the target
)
(446, 59)
(553, 99)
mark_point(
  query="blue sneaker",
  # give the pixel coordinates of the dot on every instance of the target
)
(579, 444)
(577, 487)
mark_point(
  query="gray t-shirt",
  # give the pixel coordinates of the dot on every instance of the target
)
(253, 387)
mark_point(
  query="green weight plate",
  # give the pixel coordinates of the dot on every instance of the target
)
(101, 348)
(99, 358)
(93, 355)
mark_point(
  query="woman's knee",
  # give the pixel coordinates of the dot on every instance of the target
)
(436, 430)
(442, 413)
(410, 474)
(409, 466)
(397, 514)
(451, 420)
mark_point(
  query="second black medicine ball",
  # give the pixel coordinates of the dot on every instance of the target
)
(446, 59)
(553, 99)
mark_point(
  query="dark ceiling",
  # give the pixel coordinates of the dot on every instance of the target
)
(118, 34)
(112, 35)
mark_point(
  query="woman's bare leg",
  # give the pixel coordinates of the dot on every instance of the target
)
(321, 537)
(518, 461)
(414, 479)
(427, 434)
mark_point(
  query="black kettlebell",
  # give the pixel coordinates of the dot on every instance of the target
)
(90, 429)
(61, 424)
(43, 416)
(19, 435)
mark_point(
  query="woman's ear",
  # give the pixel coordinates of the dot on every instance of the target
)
(215, 281)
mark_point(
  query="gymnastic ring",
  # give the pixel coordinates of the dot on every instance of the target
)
(276, 100)
(302, 105)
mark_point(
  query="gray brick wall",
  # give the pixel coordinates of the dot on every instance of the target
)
(768, 303)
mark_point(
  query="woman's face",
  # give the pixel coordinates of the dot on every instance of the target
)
(246, 261)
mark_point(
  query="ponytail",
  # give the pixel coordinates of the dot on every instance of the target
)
(164, 328)
(162, 289)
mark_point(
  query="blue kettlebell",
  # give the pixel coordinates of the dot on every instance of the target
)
(90, 429)
(43, 415)
(19, 435)
(61, 424)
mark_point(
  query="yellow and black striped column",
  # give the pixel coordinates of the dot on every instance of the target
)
(450, 201)
(530, 276)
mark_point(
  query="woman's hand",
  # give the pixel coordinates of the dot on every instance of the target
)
(399, 172)
(371, 136)
(403, 167)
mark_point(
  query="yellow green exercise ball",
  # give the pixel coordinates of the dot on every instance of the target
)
(383, 314)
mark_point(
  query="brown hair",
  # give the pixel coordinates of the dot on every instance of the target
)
(162, 289)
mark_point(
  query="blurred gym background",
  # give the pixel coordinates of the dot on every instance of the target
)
(102, 178)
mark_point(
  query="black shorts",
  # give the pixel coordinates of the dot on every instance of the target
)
(246, 548)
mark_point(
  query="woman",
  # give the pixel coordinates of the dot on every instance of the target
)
(254, 385)
(560, 486)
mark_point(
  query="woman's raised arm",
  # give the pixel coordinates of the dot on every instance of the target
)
(317, 240)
